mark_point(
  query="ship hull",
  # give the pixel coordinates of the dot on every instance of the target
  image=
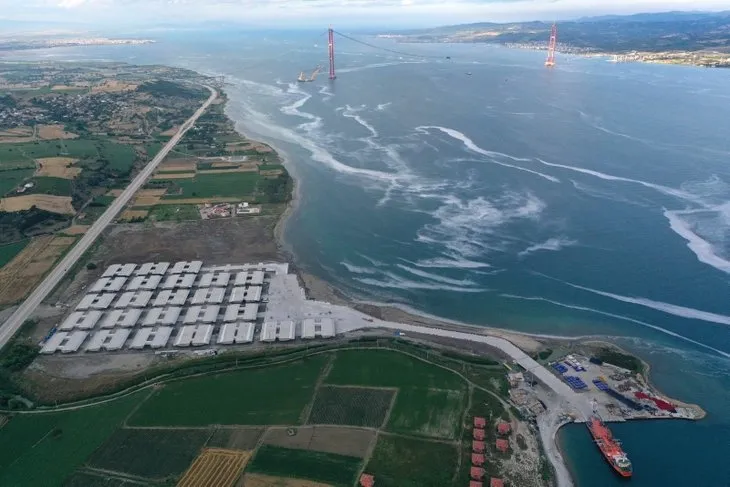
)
(607, 446)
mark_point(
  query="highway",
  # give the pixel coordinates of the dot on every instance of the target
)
(25, 310)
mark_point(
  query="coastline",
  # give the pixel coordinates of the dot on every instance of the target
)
(316, 288)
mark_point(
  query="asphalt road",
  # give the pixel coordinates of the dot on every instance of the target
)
(24, 311)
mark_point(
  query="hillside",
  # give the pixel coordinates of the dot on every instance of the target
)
(660, 32)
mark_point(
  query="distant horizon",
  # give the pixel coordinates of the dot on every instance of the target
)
(61, 27)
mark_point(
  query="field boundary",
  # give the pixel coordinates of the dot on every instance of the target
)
(169, 376)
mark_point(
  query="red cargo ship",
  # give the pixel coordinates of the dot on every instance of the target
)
(610, 447)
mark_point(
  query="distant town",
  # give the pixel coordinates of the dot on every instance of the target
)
(16, 44)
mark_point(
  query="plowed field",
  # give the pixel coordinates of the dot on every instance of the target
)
(215, 467)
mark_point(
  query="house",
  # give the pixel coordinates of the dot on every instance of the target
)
(479, 422)
(478, 434)
(502, 445)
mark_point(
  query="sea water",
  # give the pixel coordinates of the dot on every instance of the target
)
(588, 199)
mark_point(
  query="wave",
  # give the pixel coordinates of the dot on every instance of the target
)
(395, 282)
(672, 309)
(383, 106)
(293, 109)
(704, 250)
(357, 269)
(490, 154)
(598, 193)
(608, 177)
(350, 112)
(620, 317)
(435, 277)
(551, 244)
(450, 263)
(376, 65)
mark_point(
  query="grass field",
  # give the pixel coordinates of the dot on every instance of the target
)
(235, 184)
(137, 452)
(174, 213)
(337, 470)
(383, 368)
(354, 406)
(47, 185)
(7, 252)
(119, 157)
(44, 449)
(88, 479)
(408, 462)
(428, 412)
(272, 395)
(9, 180)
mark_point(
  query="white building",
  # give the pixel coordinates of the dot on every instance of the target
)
(162, 316)
(231, 333)
(214, 279)
(209, 295)
(250, 294)
(170, 297)
(249, 278)
(96, 301)
(124, 318)
(184, 267)
(158, 268)
(110, 284)
(84, 320)
(184, 281)
(133, 299)
(119, 270)
(239, 312)
(65, 342)
(283, 331)
(151, 337)
(201, 314)
(318, 327)
(195, 335)
(148, 282)
(109, 340)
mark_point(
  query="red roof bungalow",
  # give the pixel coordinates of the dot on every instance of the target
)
(478, 434)
(502, 445)
(496, 482)
(479, 422)
(367, 480)
(477, 473)
(474, 483)
(478, 446)
(504, 428)
(477, 459)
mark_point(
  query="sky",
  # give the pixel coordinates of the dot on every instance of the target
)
(350, 13)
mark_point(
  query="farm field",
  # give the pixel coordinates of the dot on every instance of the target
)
(174, 213)
(137, 451)
(9, 251)
(89, 479)
(408, 462)
(12, 178)
(260, 480)
(272, 395)
(49, 185)
(337, 470)
(44, 449)
(428, 412)
(205, 185)
(341, 440)
(235, 438)
(58, 167)
(215, 467)
(47, 202)
(354, 406)
(382, 368)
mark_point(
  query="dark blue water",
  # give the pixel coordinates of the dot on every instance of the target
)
(588, 199)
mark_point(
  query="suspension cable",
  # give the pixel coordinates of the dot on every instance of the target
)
(394, 51)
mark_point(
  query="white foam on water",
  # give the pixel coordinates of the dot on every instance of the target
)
(383, 106)
(600, 193)
(376, 65)
(490, 154)
(395, 282)
(620, 317)
(357, 269)
(435, 277)
(352, 113)
(450, 263)
(672, 309)
(704, 250)
(552, 244)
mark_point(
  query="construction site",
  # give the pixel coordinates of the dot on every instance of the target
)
(165, 306)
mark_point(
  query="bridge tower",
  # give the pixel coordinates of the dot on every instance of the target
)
(331, 46)
(550, 61)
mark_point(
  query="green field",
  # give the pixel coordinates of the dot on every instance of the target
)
(174, 213)
(137, 452)
(382, 368)
(354, 406)
(88, 479)
(408, 462)
(48, 185)
(234, 184)
(428, 412)
(9, 180)
(9, 251)
(337, 470)
(44, 449)
(485, 405)
(119, 157)
(272, 395)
